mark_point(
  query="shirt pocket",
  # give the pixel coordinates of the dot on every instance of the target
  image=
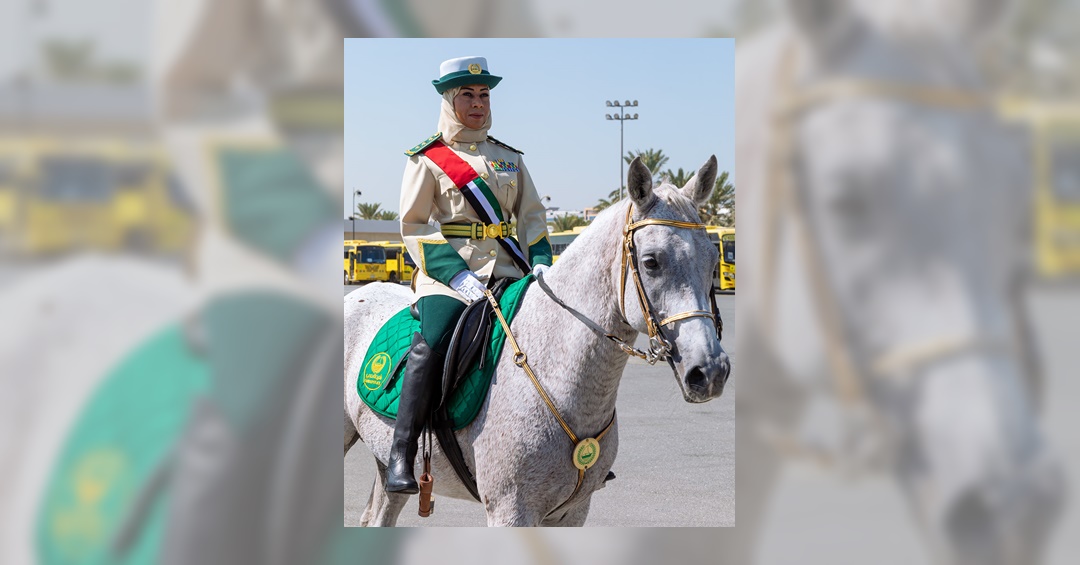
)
(450, 201)
(506, 190)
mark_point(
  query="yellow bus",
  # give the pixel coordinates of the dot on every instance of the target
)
(1054, 133)
(724, 239)
(399, 264)
(15, 156)
(365, 262)
(106, 195)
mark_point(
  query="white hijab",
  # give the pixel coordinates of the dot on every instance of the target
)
(452, 129)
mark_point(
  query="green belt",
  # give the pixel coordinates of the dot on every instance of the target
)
(500, 230)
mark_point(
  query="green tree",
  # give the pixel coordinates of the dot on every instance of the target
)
(567, 222)
(720, 209)
(75, 61)
(678, 178)
(371, 211)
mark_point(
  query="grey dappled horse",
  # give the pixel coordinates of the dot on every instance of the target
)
(516, 448)
(879, 226)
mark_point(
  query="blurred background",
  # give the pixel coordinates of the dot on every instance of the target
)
(170, 174)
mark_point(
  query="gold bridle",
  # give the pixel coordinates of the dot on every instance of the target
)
(781, 192)
(659, 346)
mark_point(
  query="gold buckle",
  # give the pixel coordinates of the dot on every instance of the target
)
(493, 231)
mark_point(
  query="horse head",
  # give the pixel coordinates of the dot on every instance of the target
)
(668, 263)
(889, 207)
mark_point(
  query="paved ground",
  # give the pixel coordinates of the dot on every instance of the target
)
(676, 464)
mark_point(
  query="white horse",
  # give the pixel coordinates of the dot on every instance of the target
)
(878, 232)
(516, 448)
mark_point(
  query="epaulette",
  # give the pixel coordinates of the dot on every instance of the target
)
(501, 144)
(423, 144)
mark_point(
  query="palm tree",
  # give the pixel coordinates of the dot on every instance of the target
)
(567, 222)
(371, 211)
(720, 209)
(679, 178)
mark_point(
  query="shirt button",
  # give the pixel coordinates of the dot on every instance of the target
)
(472, 147)
(492, 253)
(483, 176)
(513, 183)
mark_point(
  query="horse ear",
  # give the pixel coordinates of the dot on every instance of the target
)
(824, 23)
(700, 186)
(639, 185)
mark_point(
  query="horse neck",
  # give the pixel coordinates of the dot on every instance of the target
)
(590, 366)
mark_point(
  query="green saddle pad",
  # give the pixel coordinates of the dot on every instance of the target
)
(120, 438)
(380, 379)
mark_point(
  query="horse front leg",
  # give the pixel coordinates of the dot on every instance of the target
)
(383, 508)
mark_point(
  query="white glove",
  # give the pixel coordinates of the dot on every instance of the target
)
(467, 285)
(540, 269)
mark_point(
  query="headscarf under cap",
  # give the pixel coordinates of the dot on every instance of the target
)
(452, 128)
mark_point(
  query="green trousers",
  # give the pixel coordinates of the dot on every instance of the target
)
(438, 316)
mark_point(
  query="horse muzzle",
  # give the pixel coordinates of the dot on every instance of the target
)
(705, 381)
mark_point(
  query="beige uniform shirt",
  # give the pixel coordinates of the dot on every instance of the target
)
(429, 198)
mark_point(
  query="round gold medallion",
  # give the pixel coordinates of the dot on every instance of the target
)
(586, 452)
(474, 68)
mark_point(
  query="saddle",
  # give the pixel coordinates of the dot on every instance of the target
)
(468, 352)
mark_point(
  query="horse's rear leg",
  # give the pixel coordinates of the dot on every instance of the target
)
(383, 508)
(351, 435)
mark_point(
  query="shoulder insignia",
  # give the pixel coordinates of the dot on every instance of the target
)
(501, 144)
(423, 144)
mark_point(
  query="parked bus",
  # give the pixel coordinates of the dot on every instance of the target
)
(399, 264)
(105, 195)
(365, 262)
(1054, 133)
(724, 239)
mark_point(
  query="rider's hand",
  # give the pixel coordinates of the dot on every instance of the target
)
(467, 285)
(540, 269)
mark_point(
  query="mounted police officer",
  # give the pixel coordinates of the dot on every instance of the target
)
(490, 224)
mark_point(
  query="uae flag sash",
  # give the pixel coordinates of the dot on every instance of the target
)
(477, 193)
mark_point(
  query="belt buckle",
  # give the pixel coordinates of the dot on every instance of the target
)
(492, 231)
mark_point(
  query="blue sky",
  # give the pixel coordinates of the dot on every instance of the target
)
(550, 105)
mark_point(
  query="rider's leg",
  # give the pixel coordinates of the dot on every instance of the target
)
(438, 315)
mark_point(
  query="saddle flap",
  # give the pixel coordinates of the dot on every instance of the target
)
(470, 340)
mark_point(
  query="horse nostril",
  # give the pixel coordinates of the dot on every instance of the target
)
(696, 380)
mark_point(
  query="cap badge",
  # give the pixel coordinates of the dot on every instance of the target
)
(474, 68)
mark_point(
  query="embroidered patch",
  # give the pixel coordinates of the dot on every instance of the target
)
(499, 165)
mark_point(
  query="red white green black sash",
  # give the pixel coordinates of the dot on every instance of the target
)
(477, 192)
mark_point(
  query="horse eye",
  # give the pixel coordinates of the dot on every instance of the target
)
(650, 262)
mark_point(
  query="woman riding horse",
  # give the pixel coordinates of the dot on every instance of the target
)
(472, 185)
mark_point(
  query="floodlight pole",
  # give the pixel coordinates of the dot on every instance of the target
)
(622, 116)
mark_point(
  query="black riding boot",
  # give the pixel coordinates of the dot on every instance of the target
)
(421, 377)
